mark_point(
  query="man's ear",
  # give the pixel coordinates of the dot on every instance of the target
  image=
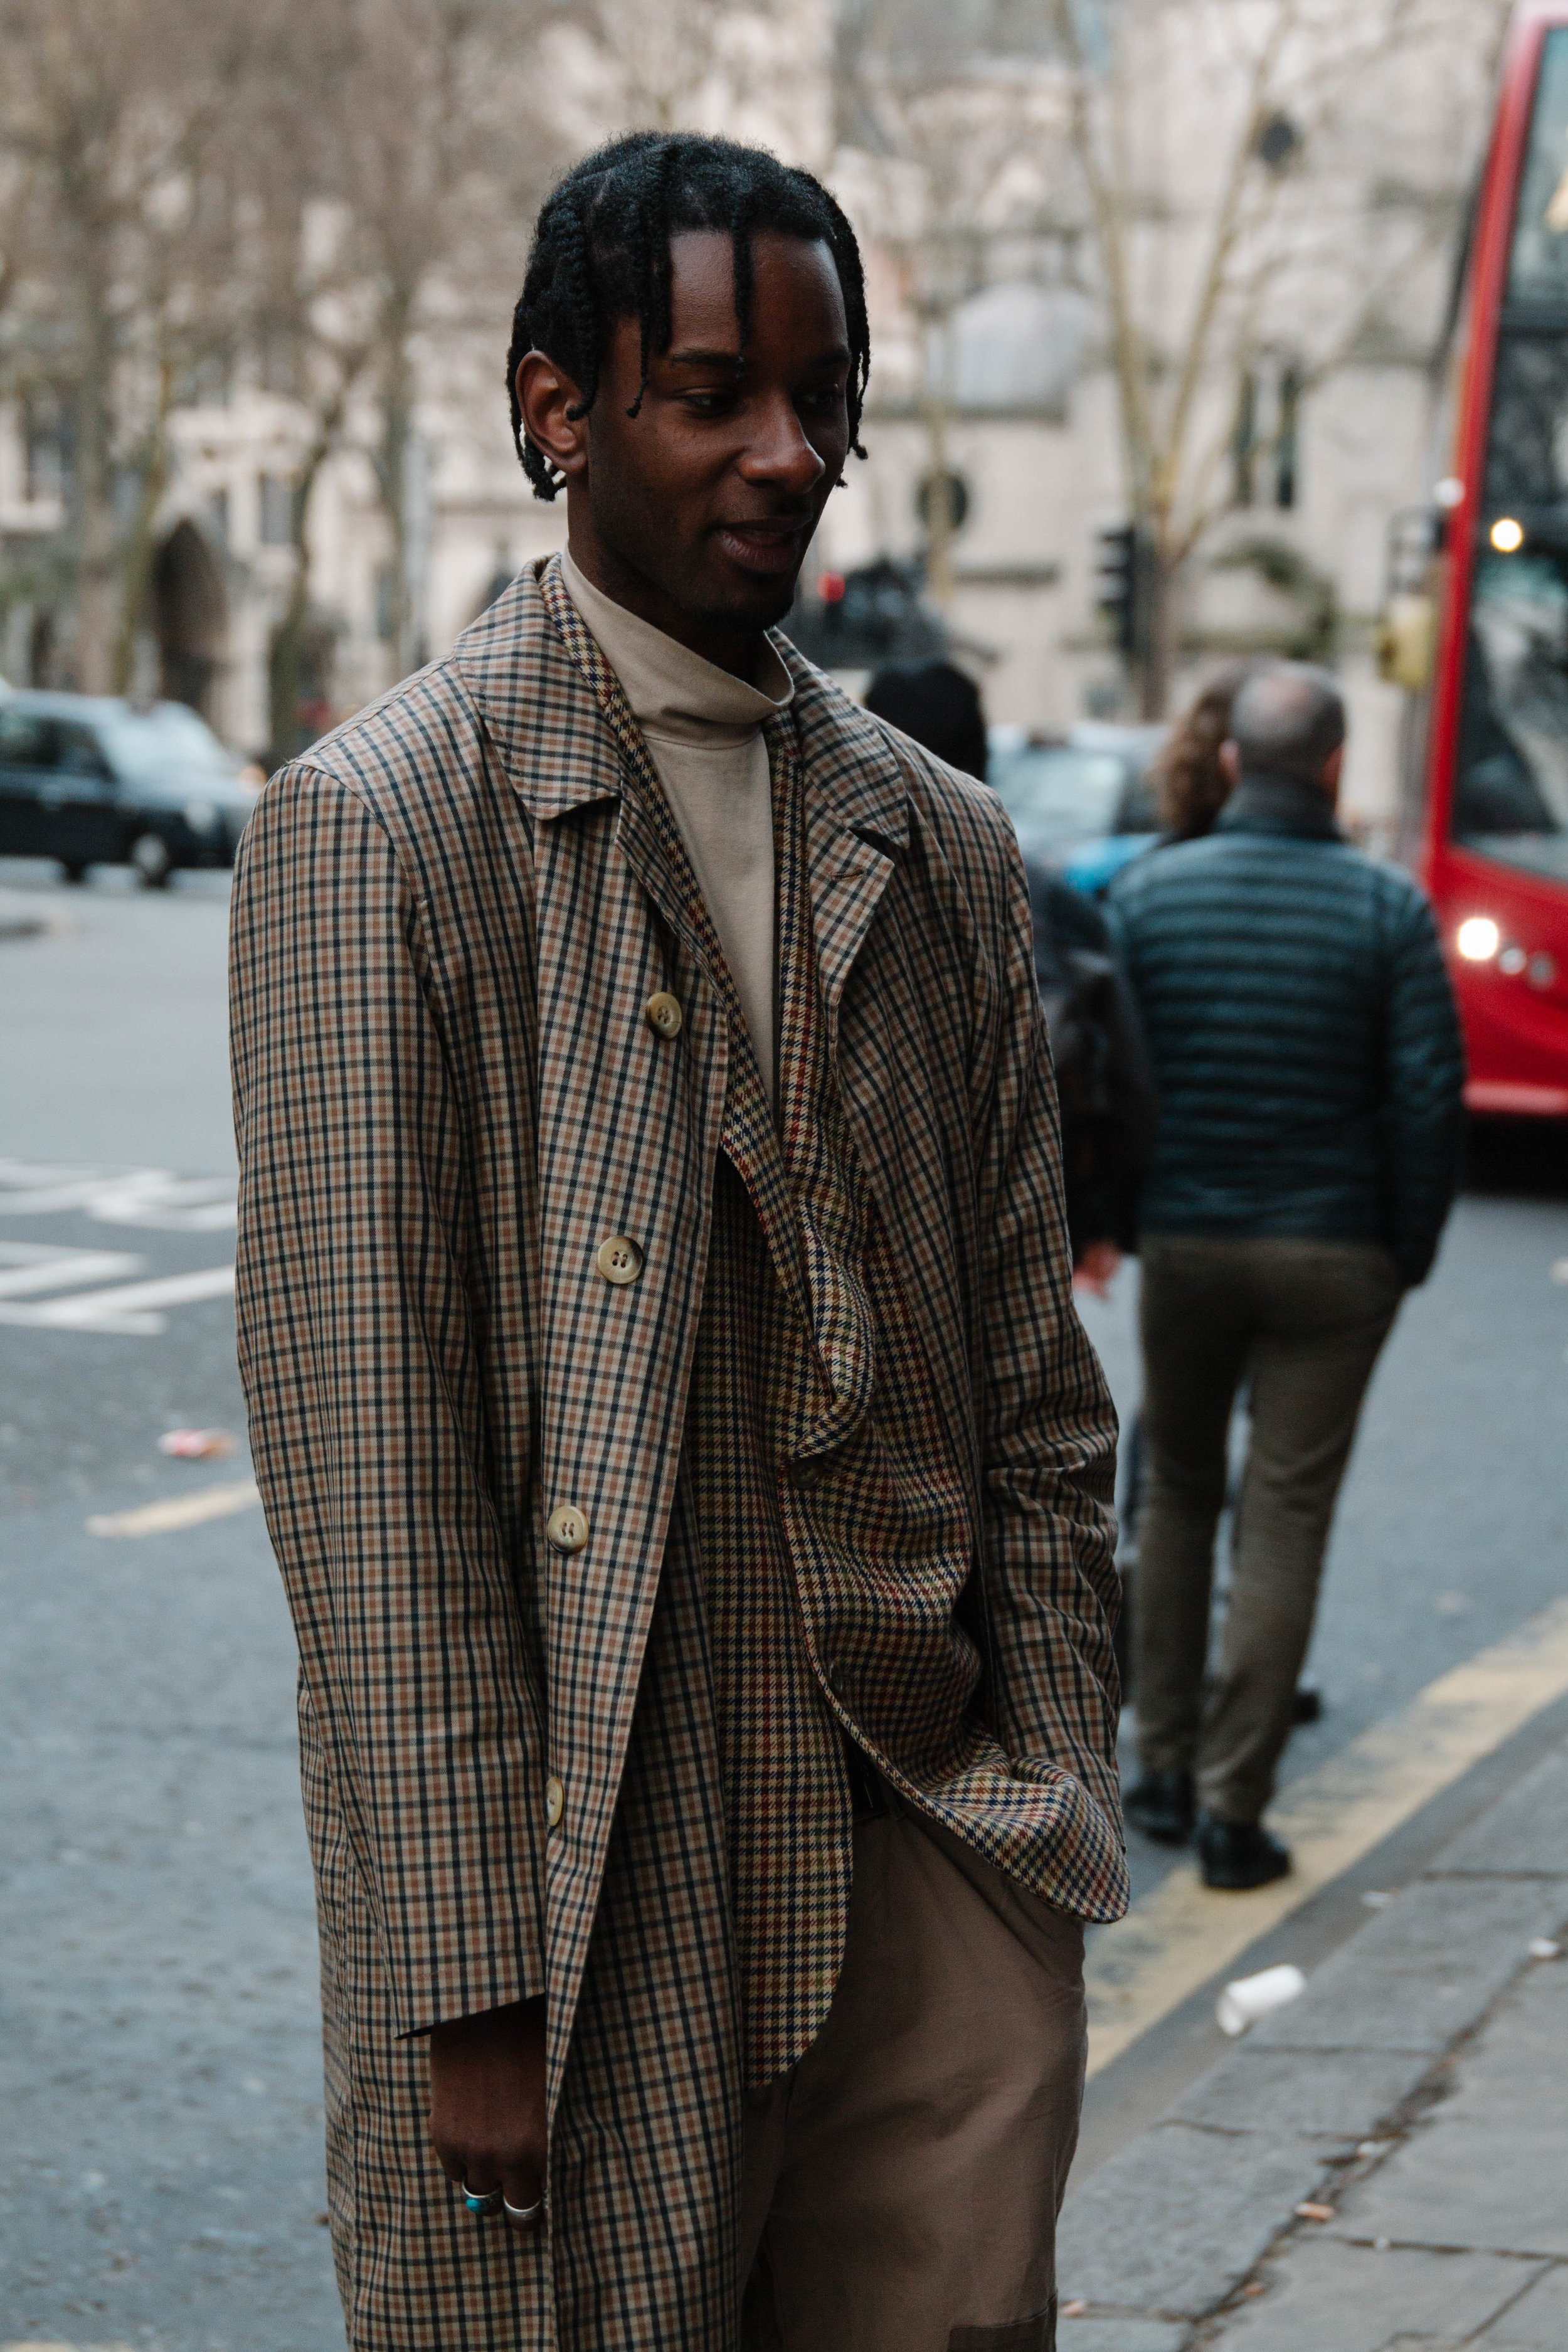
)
(1230, 763)
(546, 395)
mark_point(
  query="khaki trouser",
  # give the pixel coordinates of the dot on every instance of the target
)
(1302, 1322)
(903, 2182)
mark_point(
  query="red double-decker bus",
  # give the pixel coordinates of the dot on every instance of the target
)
(1494, 845)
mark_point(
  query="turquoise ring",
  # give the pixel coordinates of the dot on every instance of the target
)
(482, 2203)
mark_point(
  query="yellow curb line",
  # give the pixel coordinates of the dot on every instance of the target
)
(1172, 1942)
(177, 1511)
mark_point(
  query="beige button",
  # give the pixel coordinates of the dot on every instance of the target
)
(663, 1012)
(618, 1260)
(555, 1800)
(567, 1528)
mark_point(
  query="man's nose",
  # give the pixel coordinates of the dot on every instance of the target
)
(778, 452)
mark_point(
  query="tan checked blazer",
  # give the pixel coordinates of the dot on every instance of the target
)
(448, 923)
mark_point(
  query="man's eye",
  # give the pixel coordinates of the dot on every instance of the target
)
(711, 403)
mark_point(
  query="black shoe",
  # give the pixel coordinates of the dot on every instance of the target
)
(1238, 1854)
(1163, 1807)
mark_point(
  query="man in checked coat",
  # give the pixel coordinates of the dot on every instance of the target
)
(690, 1478)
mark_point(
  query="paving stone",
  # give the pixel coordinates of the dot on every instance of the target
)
(1178, 2218)
(1092, 2334)
(1496, 2186)
(1525, 1832)
(1423, 1971)
(1330, 2297)
(1520, 2051)
(1490, 2165)
(1341, 2095)
(1538, 2322)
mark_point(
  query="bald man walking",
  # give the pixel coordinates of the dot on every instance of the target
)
(1307, 1055)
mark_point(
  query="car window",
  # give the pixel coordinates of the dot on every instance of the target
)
(147, 746)
(1140, 809)
(79, 751)
(1076, 793)
(26, 740)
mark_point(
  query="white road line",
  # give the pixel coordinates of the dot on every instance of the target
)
(178, 1511)
(154, 1198)
(1183, 1933)
(128, 1308)
(44, 1266)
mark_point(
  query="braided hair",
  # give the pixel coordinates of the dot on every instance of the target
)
(601, 252)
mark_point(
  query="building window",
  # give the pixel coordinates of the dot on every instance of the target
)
(1266, 445)
(45, 449)
(277, 501)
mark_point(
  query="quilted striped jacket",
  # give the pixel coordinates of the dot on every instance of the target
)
(1303, 1032)
(450, 921)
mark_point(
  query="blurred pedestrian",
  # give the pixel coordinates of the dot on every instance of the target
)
(937, 704)
(1192, 782)
(691, 1476)
(1310, 1072)
(1103, 1092)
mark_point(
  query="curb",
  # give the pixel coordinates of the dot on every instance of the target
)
(25, 918)
(1167, 2232)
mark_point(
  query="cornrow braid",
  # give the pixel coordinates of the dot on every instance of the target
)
(601, 252)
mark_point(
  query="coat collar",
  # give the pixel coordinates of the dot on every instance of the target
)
(559, 753)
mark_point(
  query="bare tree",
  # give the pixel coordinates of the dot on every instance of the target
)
(1273, 174)
(751, 69)
(112, 113)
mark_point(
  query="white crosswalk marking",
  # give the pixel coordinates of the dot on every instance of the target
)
(27, 1266)
(153, 1198)
(128, 1308)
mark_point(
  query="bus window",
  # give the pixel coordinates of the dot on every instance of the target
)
(1511, 786)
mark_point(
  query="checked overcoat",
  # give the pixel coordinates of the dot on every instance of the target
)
(450, 919)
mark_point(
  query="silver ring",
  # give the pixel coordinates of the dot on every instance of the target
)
(523, 2212)
(483, 2203)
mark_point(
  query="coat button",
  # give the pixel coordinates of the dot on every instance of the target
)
(663, 1012)
(619, 1260)
(567, 1528)
(555, 1800)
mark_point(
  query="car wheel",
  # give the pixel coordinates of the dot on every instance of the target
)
(150, 857)
(72, 870)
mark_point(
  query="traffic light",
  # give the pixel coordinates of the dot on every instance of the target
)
(1120, 583)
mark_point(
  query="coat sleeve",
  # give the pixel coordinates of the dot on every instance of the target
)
(362, 1374)
(1049, 1444)
(1424, 1104)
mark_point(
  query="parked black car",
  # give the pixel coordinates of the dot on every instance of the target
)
(92, 781)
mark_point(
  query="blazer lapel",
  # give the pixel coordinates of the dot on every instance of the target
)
(856, 823)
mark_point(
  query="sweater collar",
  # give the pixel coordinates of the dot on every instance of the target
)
(1265, 803)
(672, 691)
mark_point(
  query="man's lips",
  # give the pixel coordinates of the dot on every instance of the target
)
(763, 546)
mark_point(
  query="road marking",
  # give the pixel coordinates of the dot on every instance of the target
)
(128, 1308)
(178, 1511)
(154, 1198)
(1177, 1937)
(35, 1265)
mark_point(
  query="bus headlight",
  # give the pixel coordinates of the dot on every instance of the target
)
(1477, 939)
(1506, 535)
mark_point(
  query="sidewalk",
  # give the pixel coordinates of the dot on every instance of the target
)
(1418, 2088)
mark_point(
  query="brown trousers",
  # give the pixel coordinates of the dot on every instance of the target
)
(903, 2182)
(1302, 1322)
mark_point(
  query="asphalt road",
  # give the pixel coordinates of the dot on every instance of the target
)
(160, 2175)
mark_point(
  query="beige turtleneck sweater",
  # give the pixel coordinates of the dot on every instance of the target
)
(703, 729)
